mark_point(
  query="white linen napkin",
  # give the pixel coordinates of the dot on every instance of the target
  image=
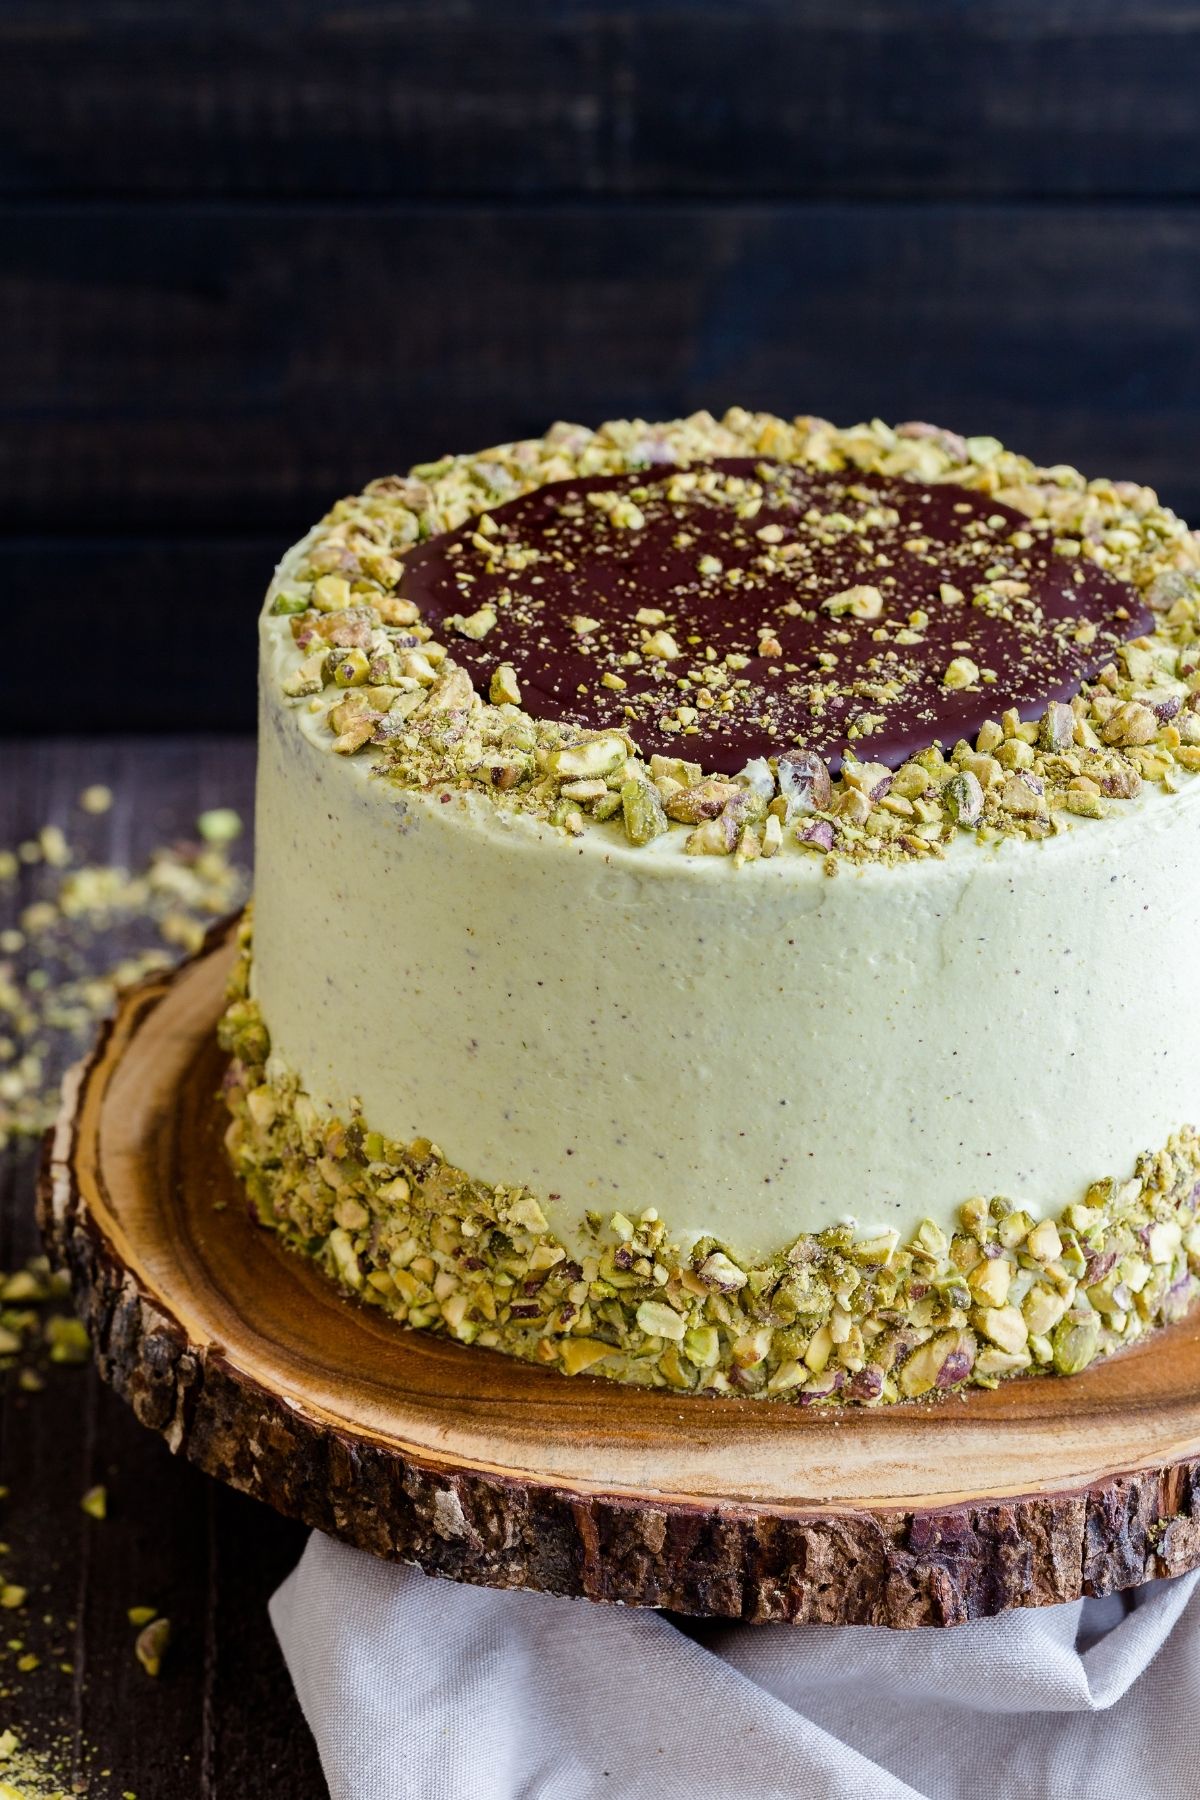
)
(418, 1689)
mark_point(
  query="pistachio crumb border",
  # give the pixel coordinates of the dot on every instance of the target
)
(384, 687)
(831, 1319)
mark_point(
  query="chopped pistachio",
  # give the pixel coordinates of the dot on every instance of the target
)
(307, 678)
(658, 1320)
(595, 756)
(1043, 1242)
(718, 1271)
(961, 672)
(962, 798)
(715, 837)
(290, 600)
(579, 1354)
(151, 1645)
(220, 825)
(862, 602)
(878, 1250)
(1004, 1325)
(68, 1340)
(644, 815)
(504, 688)
(475, 625)
(1075, 1343)
(1131, 723)
(700, 800)
(1057, 728)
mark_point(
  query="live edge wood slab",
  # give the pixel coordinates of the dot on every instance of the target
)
(486, 1470)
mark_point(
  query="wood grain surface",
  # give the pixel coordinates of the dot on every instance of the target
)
(771, 97)
(208, 366)
(259, 253)
(221, 1722)
(494, 1471)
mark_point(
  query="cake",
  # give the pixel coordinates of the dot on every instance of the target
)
(726, 911)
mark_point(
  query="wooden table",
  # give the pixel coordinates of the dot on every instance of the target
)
(221, 1719)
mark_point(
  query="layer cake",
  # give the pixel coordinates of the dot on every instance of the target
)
(726, 908)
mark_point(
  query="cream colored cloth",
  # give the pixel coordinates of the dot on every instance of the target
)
(419, 1689)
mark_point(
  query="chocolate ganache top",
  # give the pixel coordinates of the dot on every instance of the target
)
(731, 609)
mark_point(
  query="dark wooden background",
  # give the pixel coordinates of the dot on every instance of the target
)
(257, 253)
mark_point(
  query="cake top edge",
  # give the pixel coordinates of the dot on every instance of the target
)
(772, 632)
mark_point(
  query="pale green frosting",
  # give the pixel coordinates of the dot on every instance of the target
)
(756, 1053)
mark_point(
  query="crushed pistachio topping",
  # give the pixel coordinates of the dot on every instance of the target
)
(834, 1317)
(82, 933)
(385, 685)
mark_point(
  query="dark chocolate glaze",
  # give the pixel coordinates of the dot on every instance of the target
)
(557, 555)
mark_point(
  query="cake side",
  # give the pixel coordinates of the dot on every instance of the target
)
(832, 1316)
(754, 1055)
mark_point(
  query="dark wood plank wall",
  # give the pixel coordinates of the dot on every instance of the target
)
(256, 253)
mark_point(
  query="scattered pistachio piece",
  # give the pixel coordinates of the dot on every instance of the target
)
(475, 625)
(961, 673)
(220, 826)
(504, 689)
(68, 1340)
(863, 602)
(151, 1645)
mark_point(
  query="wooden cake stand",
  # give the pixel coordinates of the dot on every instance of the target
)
(488, 1470)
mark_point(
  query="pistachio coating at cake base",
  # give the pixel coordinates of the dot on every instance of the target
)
(830, 1318)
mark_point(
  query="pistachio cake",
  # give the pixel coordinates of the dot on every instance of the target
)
(726, 908)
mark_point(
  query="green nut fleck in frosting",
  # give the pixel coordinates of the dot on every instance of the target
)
(359, 657)
(832, 1318)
